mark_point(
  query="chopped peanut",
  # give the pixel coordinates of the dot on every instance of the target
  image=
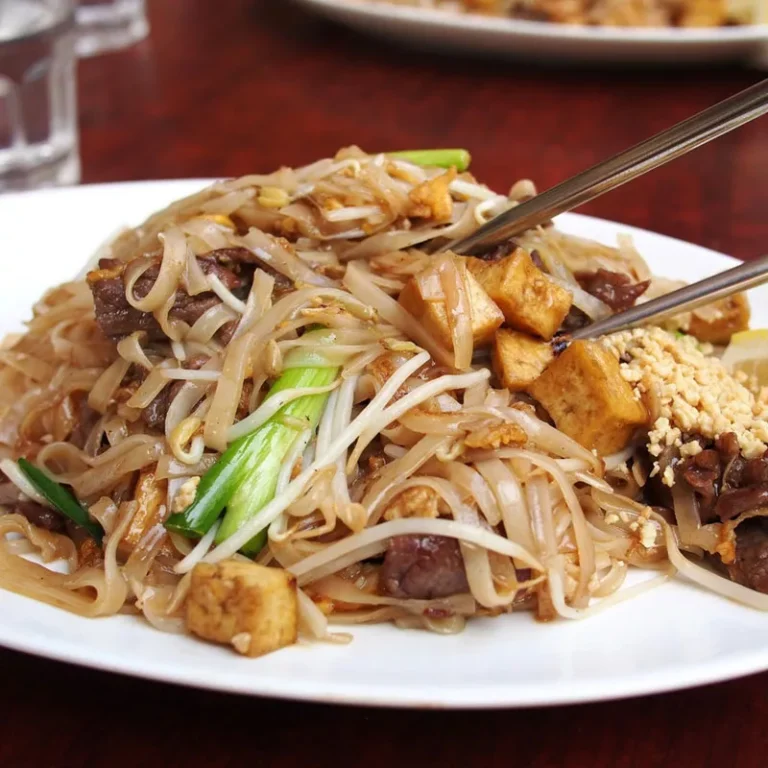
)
(694, 392)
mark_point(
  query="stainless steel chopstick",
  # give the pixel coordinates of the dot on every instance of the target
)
(619, 169)
(740, 278)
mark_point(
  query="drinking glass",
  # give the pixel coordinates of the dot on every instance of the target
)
(38, 108)
(104, 25)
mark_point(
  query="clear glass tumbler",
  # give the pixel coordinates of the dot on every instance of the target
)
(38, 103)
(108, 24)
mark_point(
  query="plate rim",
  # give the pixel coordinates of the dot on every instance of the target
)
(533, 30)
(250, 682)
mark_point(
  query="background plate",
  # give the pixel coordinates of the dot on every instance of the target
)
(512, 38)
(672, 637)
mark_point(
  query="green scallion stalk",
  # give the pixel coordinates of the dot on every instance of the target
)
(438, 158)
(60, 498)
(244, 478)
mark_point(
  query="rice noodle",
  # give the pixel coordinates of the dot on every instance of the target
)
(172, 267)
(129, 406)
(12, 471)
(336, 555)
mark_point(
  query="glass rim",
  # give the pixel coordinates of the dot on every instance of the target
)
(63, 18)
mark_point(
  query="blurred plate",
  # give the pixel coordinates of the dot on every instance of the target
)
(672, 637)
(513, 38)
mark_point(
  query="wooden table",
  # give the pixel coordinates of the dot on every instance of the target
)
(223, 88)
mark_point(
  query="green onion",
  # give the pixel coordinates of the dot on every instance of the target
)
(244, 478)
(438, 158)
(58, 496)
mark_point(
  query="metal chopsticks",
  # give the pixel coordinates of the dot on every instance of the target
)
(627, 165)
(685, 299)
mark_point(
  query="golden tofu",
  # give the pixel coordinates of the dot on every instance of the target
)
(529, 299)
(432, 199)
(588, 399)
(150, 496)
(703, 13)
(492, 438)
(486, 316)
(250, 606)
(419, 501)
(519, 359)
(720, 321)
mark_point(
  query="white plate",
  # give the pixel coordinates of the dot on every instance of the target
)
(513, 38)
(672, 637)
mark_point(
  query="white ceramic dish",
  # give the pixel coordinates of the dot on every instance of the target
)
(672, 637)
(540, 41)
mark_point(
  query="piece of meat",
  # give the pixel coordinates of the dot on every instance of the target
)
(117, 318)
(240, 257)
(38, 515)
(702, 473)
(574, 320)
(728, 445)
(86, 421)
(612, 288)
(423, 567)
(755, 472)
(732, 503)
(750, 566)
(154, 414)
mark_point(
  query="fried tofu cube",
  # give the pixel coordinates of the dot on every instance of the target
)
(150, 496)
(519, 359)
(432, 199)
(718, 322)
(250, 606)
(586, 396)
(529, 299)
(495, 437)
(703, 13)
(486, 316)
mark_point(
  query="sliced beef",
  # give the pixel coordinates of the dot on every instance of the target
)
(728, 445)
(754, 472)
(732, 503)
(89, 552)
(750, 567)
(86, 421)
(496, 252)
(38, 515)
(612, 288)
(154, 414)
(244, 261)
(117, 318)
(423, 567)
(575, 319)
(702, 474)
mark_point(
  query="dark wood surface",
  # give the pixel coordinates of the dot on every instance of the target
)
(228, 87)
